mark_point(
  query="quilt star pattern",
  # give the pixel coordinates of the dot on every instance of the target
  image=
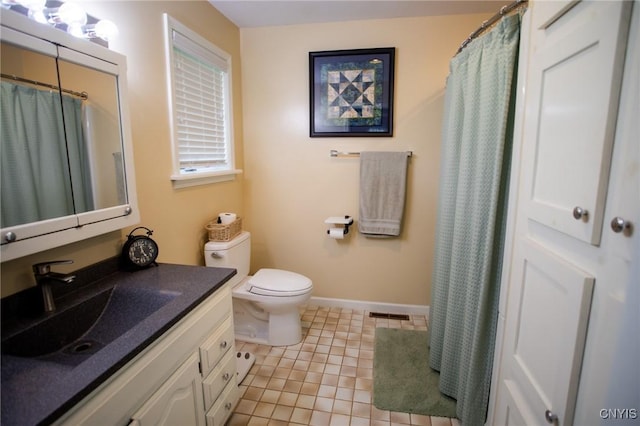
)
(351, 93)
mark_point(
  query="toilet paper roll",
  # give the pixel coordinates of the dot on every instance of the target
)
(336, 233)
(227, 218)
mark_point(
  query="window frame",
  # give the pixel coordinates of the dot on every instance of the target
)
(228, 172)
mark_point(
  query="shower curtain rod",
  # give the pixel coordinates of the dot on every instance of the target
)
(82, 95)
(486, 24)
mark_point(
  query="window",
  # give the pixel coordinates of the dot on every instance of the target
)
(199, 77)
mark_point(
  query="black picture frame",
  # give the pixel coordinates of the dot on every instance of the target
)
(351, 92)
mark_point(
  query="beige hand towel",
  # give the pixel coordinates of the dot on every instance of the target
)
(383, 181)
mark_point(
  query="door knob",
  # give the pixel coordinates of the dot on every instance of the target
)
(580, 214)
(551, 417)
(618, 225)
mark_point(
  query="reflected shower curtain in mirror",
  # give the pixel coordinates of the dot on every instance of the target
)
(78, 151)
(36, 176)
(475, 158)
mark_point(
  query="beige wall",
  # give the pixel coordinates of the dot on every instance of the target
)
(291, 183)
(176, 216)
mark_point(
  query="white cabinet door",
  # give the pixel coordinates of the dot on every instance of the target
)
(575, 85)
(178, 402)
(549, 334)
(566, 277)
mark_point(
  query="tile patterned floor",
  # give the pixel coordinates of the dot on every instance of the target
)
(327, 379)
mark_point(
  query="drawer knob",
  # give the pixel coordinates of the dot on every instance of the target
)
(551, 417)
(226, 376)
(619, 225)
(228, 406)
(580, 214)
(224, 344)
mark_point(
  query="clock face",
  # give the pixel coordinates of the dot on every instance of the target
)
(143, 251)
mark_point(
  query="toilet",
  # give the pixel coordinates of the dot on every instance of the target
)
(265, 305)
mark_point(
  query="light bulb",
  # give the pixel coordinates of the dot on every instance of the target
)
(70, 13)
(106, 30)
(75, 30)
(38, 16)
(33, 4)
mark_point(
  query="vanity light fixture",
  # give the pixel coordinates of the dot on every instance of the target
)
(67, 16)
(68, 13)
(104, 29)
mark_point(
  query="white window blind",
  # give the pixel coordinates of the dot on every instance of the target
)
(199, 74)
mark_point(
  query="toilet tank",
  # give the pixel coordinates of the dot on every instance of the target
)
(235, 253)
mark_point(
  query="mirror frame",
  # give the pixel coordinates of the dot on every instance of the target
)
(57, 232)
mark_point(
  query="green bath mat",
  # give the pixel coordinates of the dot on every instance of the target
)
(402, 378)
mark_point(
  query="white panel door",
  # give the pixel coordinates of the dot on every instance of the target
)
(549, 335)
(179, 401)
(565, 280)
(575, 83)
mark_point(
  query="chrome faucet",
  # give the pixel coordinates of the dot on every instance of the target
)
(45, 277)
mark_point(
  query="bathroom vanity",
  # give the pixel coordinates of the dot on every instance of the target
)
(174, 362)
(110, 347)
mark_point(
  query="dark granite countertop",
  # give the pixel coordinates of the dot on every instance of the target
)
(38, 390)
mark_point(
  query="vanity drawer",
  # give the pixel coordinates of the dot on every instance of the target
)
(224, 406)
(214, 348)
(224, 373)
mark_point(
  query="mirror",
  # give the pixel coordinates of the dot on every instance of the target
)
(61, 150)
(63, 139)
(34, 176)
(102, 173)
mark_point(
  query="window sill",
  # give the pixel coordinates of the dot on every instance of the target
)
(187, 180)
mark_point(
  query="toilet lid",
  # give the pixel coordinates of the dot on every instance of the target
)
(276, 282)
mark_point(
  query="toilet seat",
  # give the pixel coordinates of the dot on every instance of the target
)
(278, 283)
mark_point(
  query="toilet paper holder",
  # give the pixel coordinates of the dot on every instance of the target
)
(345, 221)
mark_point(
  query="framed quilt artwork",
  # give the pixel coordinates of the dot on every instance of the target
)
(351, 92)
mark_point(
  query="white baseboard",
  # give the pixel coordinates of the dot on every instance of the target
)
(392, 308)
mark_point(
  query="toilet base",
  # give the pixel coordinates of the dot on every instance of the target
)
(254, 325)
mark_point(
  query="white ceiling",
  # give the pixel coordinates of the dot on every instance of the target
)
(260, 13)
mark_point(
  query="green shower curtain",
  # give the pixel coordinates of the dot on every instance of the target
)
(38, 162)
(475, 158)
